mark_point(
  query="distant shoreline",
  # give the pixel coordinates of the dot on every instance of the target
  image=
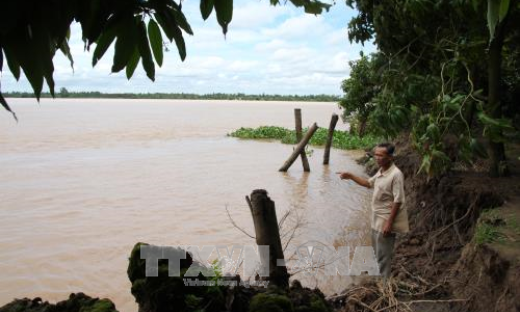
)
(179, 96)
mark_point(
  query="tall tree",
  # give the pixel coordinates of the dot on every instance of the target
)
(446, 44)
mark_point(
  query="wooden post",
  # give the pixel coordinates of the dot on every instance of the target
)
(299, 148)
(268, 234)
(298, 120)
(332, 125)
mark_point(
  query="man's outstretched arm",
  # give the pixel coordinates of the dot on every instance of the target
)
(349, 176)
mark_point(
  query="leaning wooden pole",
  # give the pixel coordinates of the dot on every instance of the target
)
(299, 148)
(298, 121)
(332, 126)
(268, 234)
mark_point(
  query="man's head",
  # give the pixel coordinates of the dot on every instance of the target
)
(384, 154)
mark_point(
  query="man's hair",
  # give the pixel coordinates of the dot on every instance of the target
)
(390, 148)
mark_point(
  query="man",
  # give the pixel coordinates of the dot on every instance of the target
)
(388, 214)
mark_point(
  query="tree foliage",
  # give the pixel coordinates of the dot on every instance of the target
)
(32, 32)
(359, 89)
(434, 75)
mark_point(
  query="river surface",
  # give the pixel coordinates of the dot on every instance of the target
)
(81, 181)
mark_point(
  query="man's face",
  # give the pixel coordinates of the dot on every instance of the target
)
(382, 157)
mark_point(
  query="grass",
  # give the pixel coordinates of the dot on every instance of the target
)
(341, 139)
(514, 226)
(487, 233)
(487, 230)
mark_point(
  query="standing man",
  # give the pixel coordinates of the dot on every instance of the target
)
(389, 215)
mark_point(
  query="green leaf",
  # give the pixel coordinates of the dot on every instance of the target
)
(125, 45)
(173, 32)
(12, 63)
(65, 49)
(105, 40)
(313, 8)
(164, 25)
(400, 114)
(179, 41)
(451, 105)
(464, 152)
(45, 48)
(436, 154)
(34, 74)
(440, 162)
(224, 10)
(503, 123)
(24, 46)
(206, 7)
(425, 165)
(144, 50)
(132, 64)
(433, 132)
(504, 8)
(477, 148)
(181, 21)
(297, 3)
(493, 17)
(6, 106)
(92, 15)
(156, 41)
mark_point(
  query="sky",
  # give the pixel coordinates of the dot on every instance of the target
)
(271, 50)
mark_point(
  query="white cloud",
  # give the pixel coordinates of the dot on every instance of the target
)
(271, 45)
(338, 37)
(242, 65)
(256, 14)
(302, 26)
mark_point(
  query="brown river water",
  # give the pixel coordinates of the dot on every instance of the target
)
(81, 181)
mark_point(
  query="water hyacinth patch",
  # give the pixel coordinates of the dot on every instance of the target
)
(341, 139)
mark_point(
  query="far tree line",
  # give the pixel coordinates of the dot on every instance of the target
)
(64, 93)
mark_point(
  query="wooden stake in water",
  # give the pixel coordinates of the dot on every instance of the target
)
(299, 148)
(298, 121)
(268, 234)
(330, 136)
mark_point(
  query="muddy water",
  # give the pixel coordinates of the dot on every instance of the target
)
(81, 181)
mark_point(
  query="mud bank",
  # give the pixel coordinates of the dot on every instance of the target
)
(449, 261)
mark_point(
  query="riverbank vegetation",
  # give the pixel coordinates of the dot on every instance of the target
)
(448, 79)
(341, 139)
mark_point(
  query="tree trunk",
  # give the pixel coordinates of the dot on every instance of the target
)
(362, 127)
(332, 126)
(494, 106)
(298, 120)
(299, 148)
(268, 234)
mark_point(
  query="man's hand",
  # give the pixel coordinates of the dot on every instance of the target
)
(345, 175)
(387, 227)
(350, 176)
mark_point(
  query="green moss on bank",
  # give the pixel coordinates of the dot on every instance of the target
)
(341, 139)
